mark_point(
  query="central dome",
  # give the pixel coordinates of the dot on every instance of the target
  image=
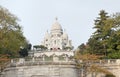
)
(56, 26)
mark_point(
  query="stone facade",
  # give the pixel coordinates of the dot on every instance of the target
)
(51, 53)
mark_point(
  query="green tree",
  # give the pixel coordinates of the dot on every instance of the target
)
(24, 51)
(68, 48)
(11, 35)
(105, 40)
(82, 48)
(113, 41)
(97, 42)
(41, 47)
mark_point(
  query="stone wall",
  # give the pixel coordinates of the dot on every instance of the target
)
(42, 71)
(111, 65)
(55, 68)
(23, 68)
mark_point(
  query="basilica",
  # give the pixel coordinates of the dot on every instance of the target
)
(57, 43)
(57, 39)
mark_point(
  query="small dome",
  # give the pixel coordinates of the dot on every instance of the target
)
(65, 36)
(56, 26)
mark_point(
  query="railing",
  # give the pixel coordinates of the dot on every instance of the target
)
(49, 50)
(39, 61)
(103, 62)
(30, 63)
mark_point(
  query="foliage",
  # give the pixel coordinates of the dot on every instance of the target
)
(67, 48)
(41, 47)
(96, 68)
(87, 62)
(110, 75)
(3, 61)
(28, 46)
(100, 35)
(83, 48)
(11, 35)
(104, 43)
(24, 51)
(105, 40)
(86, 57)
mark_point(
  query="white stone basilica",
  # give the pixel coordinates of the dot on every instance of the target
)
(57, 38)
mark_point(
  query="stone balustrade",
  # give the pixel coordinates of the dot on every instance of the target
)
(33, 61)
(39, 61)
(24, 66)
(105, 62)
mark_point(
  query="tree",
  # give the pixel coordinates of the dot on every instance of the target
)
(68, 48)
(105, 40)
(4, 60)
(41, 47)
(110, 75)
(11, 35)
(100, 35)
(113, 41)
(82, 48)
(28, 46)
(24, 50)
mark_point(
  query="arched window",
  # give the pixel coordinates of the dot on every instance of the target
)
(58, 48)
(51, 48)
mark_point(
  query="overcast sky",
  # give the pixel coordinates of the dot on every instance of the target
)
(75, 16)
